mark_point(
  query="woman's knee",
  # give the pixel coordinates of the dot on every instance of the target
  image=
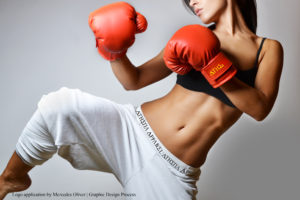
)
(59, 103)
(51, 126)
(35, 144)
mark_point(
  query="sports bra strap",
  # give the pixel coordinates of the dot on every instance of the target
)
(259, 50)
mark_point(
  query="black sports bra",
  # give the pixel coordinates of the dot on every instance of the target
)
(195, 81)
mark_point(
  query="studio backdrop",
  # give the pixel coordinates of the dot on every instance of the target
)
(47, 44)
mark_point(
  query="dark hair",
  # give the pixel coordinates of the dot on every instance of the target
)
(247, 8)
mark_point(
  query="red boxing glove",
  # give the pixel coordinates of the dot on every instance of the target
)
(115, 26)
(195, 46)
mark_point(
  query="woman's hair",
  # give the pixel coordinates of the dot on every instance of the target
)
(247, 8)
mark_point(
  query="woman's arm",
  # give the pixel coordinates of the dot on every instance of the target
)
(134, 78)
(258, 101)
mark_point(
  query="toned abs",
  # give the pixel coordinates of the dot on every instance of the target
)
(188, 123)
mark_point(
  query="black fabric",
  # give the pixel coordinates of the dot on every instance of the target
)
(195, 81)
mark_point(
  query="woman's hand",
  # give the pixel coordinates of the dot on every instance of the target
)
(196, 46)
(115, 26)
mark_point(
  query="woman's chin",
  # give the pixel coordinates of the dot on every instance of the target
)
(205, 20)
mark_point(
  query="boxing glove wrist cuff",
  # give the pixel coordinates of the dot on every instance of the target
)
(219, 70)
(108, 54)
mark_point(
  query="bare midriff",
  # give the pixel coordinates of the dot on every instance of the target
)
(188, 123)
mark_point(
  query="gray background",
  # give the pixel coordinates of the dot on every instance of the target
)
(45, 45)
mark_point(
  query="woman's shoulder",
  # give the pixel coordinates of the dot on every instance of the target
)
(272, 45)
(271, 56)
(271, 49)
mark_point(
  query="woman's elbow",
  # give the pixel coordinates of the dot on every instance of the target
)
(131, 87)
(261, 114)
(260, 117)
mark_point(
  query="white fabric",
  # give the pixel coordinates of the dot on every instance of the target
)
(94, 133)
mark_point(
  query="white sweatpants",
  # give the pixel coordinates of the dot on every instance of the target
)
(94, 133)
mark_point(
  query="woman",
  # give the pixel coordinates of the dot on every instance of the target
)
(179, 128)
